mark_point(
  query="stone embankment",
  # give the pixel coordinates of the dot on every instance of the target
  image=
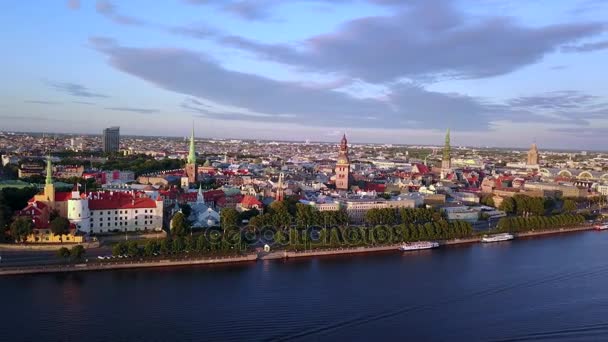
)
(100, 266)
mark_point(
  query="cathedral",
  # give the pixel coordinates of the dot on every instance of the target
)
(191, 169)
(343, 166)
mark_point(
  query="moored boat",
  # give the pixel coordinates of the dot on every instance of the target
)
(497, 237)
(601, 227)
(414, 246)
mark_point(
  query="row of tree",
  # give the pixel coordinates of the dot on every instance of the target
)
(23, 226)
(235, 240)
(394, 216)
(520, 224)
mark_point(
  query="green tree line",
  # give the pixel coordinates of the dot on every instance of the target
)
(521, 224)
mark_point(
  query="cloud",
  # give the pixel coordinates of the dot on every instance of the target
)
(426, 39)
(73, 4)
(134, 110)
(215, 92)
(84, 103)
(253, 9)
(588, 47)
(74, 89)
(198, 31)
(108, 10)
(42, 102)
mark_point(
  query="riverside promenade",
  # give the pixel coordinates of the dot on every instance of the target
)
(279, 254)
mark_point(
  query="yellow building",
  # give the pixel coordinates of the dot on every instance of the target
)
(46, 236)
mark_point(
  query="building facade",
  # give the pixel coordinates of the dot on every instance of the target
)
(191, 169)
(533, 155)
(343, 166)
(111, 139)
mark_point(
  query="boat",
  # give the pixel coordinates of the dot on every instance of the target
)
(497, 237)
(601, 227)
(414, 246)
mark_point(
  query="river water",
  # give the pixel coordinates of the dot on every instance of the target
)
(545, 288)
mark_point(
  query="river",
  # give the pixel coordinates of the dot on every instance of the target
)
(543, 288)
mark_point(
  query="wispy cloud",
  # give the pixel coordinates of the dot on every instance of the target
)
(73, 4)
(134, 110)
(74, 89)
(588, 47)
(42, 102)
(108, 10)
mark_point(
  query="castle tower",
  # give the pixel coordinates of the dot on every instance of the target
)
(533, 155)
(79, 213)
(49, 187)
(280, 193)
(191, 170)
(343, 166)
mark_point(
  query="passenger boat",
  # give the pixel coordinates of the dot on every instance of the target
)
(497, 237)
(601, 227)
(414, 246)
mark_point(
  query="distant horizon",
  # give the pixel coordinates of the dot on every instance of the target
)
(454, 146)
(499, 73)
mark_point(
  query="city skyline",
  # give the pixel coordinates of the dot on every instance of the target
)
(260, 70)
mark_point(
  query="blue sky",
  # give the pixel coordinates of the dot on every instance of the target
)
(497, 72)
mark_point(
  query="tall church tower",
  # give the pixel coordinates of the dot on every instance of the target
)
(191, 170)
(533, 155)
(446, 161)
(343, 166)
(49, 188)
(280, 193)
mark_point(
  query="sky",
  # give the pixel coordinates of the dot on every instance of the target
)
(496, 72)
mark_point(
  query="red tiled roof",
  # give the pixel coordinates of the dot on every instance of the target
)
(249, 201)
(62, 196)
(119, 200)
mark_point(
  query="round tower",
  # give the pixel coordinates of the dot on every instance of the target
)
(79, 213)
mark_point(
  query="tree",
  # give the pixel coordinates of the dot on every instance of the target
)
(150, 248)
(569, 206)
(21, 228)
(119, 249)
(77, 252)
(178, 245)
(60, 226)
(63, 252)
(179, 225)
(186, 209)
(133, 249)
(507, 205)
(229, 218)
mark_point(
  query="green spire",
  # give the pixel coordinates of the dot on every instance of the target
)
(49, 171)
(192, 153)
(447, 149)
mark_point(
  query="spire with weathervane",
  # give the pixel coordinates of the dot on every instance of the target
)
(192, 152)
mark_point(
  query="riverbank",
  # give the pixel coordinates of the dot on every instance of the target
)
(280, 254)
(126, 265)
(44, 246)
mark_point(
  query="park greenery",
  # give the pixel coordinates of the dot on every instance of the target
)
(139, 164)
(76, 253)
(520, 224)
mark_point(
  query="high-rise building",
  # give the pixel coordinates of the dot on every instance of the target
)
(343, 166)
(191, 169)
(111, 139)
(533, 155)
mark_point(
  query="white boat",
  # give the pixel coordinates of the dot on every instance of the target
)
(497, 237)
(414, 246)
(601, 227)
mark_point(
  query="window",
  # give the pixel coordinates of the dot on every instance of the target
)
(136, 211)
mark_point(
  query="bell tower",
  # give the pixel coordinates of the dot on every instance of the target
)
(191, 170)
(343, 166)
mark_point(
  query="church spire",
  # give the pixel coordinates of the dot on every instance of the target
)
(49, 171)
(192, 152)
(447, 149)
